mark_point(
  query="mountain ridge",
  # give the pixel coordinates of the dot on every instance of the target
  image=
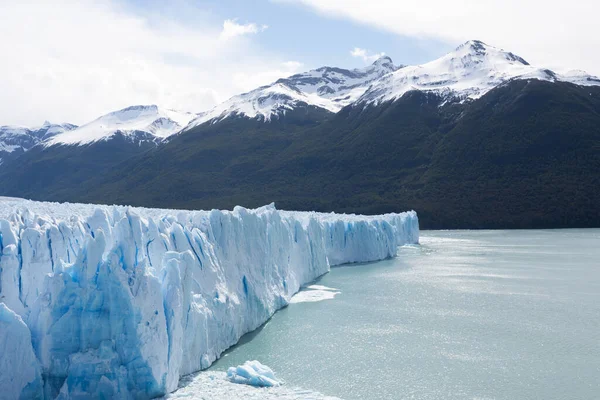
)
(329, 88)
(149, 121)
(466, 73)
(518, 157)
(471, 70)
(15, 140)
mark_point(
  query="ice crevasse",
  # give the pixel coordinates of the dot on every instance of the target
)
(121, 302)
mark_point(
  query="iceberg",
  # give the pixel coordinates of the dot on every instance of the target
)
(314, 293)
(121, 302)
(252, 373)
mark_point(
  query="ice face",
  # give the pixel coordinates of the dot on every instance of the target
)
(123, 302)
(19, 369)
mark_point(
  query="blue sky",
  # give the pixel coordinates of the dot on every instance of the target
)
(301, 34)
(72, 61)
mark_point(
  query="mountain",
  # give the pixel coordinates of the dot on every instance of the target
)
(55, 172)
(467, 73)
(476, 139)
(326, 88)
(60, 160)
(136, 123)
(526, 154)
(15, 140)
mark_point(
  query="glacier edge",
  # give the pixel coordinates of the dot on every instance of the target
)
(122, 301)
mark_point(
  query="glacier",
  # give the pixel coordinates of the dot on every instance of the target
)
(20, 370)
(121, 302)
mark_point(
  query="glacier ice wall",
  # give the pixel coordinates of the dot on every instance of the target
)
(20, 375)
(121, 302)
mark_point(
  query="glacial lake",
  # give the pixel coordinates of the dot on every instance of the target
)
(465, 315)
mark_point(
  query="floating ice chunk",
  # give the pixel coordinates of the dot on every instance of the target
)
(314, 293)
(321, 287)
(313, 296)
(252, 373)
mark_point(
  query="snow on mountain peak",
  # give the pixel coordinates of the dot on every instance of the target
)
(264, 102)
(150, 120)
(468, 72)
(476, 48)
(19, 139)
(329, 88)
(385, 62)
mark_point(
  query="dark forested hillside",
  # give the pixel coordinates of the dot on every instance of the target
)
(60, 171)
(527, 154)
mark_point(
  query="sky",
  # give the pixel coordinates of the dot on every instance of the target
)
(74, 60)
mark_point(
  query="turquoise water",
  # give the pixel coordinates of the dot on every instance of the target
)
(466, 315)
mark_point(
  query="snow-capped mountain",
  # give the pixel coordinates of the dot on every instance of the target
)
(469, 72)
(326, 87)
(340, 87)
(16, 140)
(136, 122)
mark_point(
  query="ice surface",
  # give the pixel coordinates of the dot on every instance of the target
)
(321, 287)
(252, 373)
(124, 301)
(211, 385)
(314, 293)
(19, 369)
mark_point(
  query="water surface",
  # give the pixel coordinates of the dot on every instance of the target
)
(468, 314)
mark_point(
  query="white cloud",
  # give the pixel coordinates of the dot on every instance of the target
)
(73, 61)
(232, 29)
(550, 33)
(364, 55)
(293, 66)
(251, 80)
